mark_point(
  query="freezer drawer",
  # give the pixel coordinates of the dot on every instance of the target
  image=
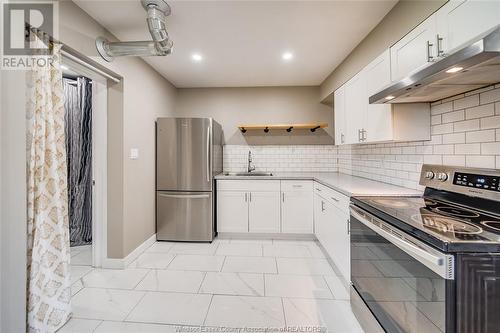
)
(184, 216)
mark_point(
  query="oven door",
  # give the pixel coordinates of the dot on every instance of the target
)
(406, 284)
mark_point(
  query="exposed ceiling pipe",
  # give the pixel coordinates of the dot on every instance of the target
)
(161, 45)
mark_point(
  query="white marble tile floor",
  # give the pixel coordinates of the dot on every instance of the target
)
(240, 283)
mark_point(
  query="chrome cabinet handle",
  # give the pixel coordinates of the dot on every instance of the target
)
(322, 206)
(440, 51)
(250, 196)
(363, 135)
(430, 57)
(246, 196)
(342, 138)
(335, 199)
(359, 136)
(283, 196)
(187, 196)
(208, 154)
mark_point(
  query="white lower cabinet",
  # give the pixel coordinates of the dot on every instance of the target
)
(232, 211)
(287, 206)
(296, 207)
(264, 212)
(331, 229)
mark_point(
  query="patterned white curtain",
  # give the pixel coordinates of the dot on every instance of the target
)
(49, 288)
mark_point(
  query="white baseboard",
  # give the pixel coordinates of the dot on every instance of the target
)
(112, 263)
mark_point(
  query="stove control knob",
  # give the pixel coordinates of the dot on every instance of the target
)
(429, 175)
(442, 176)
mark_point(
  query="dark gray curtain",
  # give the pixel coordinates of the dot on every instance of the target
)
(78, 117)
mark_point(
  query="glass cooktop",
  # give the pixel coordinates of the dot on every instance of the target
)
(447, 222)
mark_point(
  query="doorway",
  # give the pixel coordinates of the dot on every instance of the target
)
(86, 130)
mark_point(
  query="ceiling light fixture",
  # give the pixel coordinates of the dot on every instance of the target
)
(197, 57)
(389, 97)
(287, 56)
(454, 70)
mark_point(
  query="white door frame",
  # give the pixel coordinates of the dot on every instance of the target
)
(99, 160)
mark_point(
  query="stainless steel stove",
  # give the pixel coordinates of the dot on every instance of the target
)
(430, 263)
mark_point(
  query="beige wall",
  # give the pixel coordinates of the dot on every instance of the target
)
(143, 96)
(405, 15)
(234, 106)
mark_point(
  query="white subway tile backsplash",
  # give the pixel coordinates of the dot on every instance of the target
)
(441, 108)
(468, 149)
(491, 148)
(490, 122)
(454, 116)
(480, 111)
(466, 102)
(480, 161)
(465, 132)
(310, 158)
(467, 125)
(490, 96)
(454, 138)
(480, 136)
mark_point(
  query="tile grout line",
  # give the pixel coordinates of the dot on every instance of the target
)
(208, 310)
(135, 306)
(95, 329)
(202, 281)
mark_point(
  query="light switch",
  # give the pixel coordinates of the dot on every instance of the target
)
(134, 153)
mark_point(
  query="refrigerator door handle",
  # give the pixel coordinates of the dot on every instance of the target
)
(187, 196)
(208, 154)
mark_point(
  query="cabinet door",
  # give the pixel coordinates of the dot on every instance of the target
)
(459, 21)
(414, 51)
(232, 211)
(339, 112)
(378, 120)
(355, 107)
(338, 239)
(297, 212)
(264, 212)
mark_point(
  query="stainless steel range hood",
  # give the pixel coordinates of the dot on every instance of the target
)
(480, 63)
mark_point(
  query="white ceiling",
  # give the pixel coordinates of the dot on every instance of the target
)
(242, 41)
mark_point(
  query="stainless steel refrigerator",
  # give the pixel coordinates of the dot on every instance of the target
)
(188, 156)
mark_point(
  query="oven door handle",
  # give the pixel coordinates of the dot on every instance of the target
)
(440, 263)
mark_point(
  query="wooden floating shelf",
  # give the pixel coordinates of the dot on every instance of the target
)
(288, 127)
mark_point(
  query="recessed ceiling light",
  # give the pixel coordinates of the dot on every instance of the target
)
(287, 56)
(389, 97)
(454, 70)
(197, 57)
(64, 67)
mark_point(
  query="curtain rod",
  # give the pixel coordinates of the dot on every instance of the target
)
(89, 66)
(74, 55)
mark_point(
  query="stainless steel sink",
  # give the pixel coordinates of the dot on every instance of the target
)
(255, 173)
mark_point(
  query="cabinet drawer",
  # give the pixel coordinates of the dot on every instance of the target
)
(336, 198)
(296, 185)
(248, 185)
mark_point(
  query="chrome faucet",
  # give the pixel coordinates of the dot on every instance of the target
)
(250, 167)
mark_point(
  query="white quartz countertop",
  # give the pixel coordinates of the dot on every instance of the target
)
(346, 184)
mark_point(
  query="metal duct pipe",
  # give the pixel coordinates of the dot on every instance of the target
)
(161, 45)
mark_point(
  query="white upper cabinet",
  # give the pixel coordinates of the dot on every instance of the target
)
(414, 51)
(461, 21)
(356, 101)
(378, 122)
(339, 112)
(357, 121)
